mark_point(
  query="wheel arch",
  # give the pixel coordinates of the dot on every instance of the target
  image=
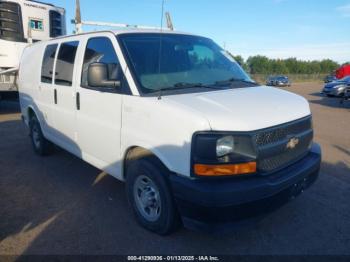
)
(133, 153)
(31, 112)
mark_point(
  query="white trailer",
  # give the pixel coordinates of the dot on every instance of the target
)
(21, 23)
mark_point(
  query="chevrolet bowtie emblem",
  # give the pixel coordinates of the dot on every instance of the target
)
(293, 143)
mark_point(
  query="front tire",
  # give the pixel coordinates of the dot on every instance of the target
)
(150, 196)
(41, 145)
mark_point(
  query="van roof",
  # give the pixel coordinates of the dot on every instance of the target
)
(115, 32)
(165, 31)
(125, 31)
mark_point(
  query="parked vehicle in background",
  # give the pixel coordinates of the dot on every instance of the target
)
(337, 88)
(23, 22)
(176, 118)
(343, 71)
(330, 78)
(278, 81)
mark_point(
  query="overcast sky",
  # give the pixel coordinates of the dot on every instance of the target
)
(306, 29)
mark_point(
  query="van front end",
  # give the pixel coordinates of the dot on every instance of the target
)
(241, 176)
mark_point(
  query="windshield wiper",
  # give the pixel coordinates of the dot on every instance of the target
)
(194, 85)
(184, 85)
(187, 85)
(233, 80)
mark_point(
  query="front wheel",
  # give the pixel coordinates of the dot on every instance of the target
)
(40, 144)
(150, 196)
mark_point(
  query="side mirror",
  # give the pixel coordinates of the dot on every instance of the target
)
(98, 76)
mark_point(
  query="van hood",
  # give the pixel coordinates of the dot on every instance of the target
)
(245, 109)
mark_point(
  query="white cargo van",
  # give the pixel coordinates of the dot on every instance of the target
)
(173, 115)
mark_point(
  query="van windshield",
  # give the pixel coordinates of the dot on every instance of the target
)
(183, 62)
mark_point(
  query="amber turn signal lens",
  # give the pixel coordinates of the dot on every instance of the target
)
(225, 170)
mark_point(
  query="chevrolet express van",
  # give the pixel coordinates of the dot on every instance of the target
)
(173, 115)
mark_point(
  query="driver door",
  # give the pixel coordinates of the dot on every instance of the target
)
(99, 110)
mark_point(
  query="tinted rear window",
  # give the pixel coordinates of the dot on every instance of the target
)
(65, 63)
(47, 65)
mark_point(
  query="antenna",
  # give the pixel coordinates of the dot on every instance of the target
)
(78, 22)
(162, 16)
(169, 21)
(160, 45)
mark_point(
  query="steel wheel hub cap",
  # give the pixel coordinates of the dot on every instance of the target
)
(147, 198)
(36, 137)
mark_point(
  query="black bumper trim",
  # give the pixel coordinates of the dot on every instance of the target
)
(229, 199)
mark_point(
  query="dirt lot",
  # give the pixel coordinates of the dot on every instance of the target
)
(61, 205)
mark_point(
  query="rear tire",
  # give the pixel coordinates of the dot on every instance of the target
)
(150, 196)
(41, 145)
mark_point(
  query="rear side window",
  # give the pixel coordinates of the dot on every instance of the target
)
(47, 65)
(100, 50)
(65, 63)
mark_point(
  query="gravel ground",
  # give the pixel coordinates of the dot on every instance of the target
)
(61, 205)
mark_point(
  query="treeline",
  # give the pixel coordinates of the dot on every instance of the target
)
(264, 65)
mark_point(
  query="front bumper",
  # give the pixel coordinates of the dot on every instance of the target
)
(333, 91)
(215, 203)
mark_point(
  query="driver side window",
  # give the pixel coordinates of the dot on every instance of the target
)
(101, 50)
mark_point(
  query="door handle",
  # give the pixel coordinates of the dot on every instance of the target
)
(55, 96)
(77, 99)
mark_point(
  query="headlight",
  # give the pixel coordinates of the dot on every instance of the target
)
(220, 154)
(225, 146)
(340, 87)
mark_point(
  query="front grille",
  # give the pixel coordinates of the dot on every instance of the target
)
(272, 144)
(288, 156)
(276, 134)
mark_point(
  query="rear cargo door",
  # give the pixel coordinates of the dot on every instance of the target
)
(46, 87)
(64, 96)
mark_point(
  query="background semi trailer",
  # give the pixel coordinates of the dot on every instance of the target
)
(23, 22)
